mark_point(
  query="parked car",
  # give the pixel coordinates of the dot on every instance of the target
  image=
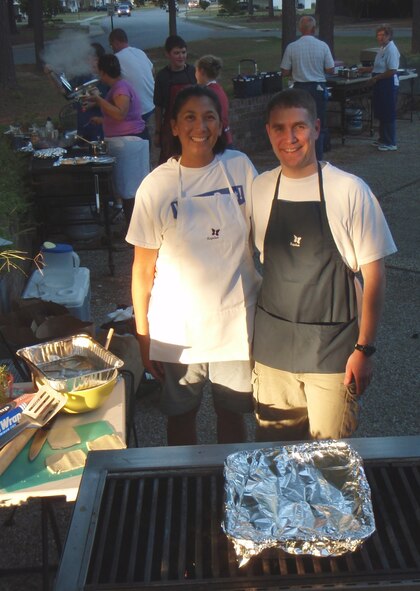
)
(123, 9)
(193, 4)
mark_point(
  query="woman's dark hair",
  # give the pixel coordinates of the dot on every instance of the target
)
(174, 41)
(98, 49)
(109, 64)
(184, 96)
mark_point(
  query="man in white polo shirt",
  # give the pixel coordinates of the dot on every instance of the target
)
(307, 60)
(136, 68)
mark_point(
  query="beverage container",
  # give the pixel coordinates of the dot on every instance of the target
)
(60, 264)
(49, 128)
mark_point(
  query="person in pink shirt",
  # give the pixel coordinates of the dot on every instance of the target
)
(121, 108)
(123, 128)
(207, 70)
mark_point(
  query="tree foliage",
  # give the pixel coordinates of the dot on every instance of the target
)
(382, 9)
(230, 6)
(13, 193)
(49, 7)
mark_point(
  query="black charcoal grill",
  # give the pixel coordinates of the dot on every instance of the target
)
(150, 519)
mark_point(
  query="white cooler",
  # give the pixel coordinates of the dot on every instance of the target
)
(76, 298)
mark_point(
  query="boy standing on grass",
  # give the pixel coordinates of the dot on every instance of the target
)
(169, 81)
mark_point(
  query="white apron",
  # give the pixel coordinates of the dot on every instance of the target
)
(217, 281)
(131, 155)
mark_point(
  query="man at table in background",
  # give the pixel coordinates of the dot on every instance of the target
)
(307, 60)
(138, 70)
(316, 227)
(385, 90)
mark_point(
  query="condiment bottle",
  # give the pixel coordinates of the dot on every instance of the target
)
(49, 128)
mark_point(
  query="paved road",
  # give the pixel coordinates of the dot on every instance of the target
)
(149, 28)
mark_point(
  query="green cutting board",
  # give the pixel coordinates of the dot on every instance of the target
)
(24, 474)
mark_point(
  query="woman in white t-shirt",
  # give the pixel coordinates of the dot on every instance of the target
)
(194, 283)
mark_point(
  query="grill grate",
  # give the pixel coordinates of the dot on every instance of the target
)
(161, 530)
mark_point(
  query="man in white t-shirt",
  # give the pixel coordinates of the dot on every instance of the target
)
(315, 226)
(136, 68)
(307, 60)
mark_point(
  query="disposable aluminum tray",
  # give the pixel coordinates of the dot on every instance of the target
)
(310, 498)
(71, 364)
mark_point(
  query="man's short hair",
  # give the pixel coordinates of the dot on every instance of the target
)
(174, 41)
(307, 23)
(298, 98)
(118, 35)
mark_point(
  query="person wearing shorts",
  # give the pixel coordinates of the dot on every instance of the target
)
(194, 282)
(316, 227)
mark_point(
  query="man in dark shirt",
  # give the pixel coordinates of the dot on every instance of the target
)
(169, 81)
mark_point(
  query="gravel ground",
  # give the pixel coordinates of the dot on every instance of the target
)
(390, 407)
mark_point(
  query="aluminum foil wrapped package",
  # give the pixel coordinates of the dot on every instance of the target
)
(309, 498)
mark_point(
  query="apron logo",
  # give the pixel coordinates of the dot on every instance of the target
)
(296, 241)
(214, 234)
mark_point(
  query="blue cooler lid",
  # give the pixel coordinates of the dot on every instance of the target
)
(56, 248)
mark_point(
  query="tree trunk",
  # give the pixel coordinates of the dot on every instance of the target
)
(38, 32)
(271, 8)
(415, 34)
(30, 13)
(12, 18)
(325, 10)
(172, 17)
(7, 64)
(288, 23)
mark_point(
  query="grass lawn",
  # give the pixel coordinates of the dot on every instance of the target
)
(36, 98)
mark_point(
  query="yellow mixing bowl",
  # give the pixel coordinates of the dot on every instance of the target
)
(89, 399)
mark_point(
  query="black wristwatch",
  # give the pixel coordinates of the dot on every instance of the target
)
(367, 350)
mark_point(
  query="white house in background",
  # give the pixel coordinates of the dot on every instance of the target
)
(299, 4)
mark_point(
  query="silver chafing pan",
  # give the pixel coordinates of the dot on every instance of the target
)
(71, 364)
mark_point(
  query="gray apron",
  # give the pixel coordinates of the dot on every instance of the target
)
(306, 319)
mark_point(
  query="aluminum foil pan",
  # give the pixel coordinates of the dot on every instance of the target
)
(310, 498)
(84, 160)
(71, 364)
(49, 152)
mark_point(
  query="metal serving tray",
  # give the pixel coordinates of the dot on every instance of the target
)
(71, 364)
(308, 498)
